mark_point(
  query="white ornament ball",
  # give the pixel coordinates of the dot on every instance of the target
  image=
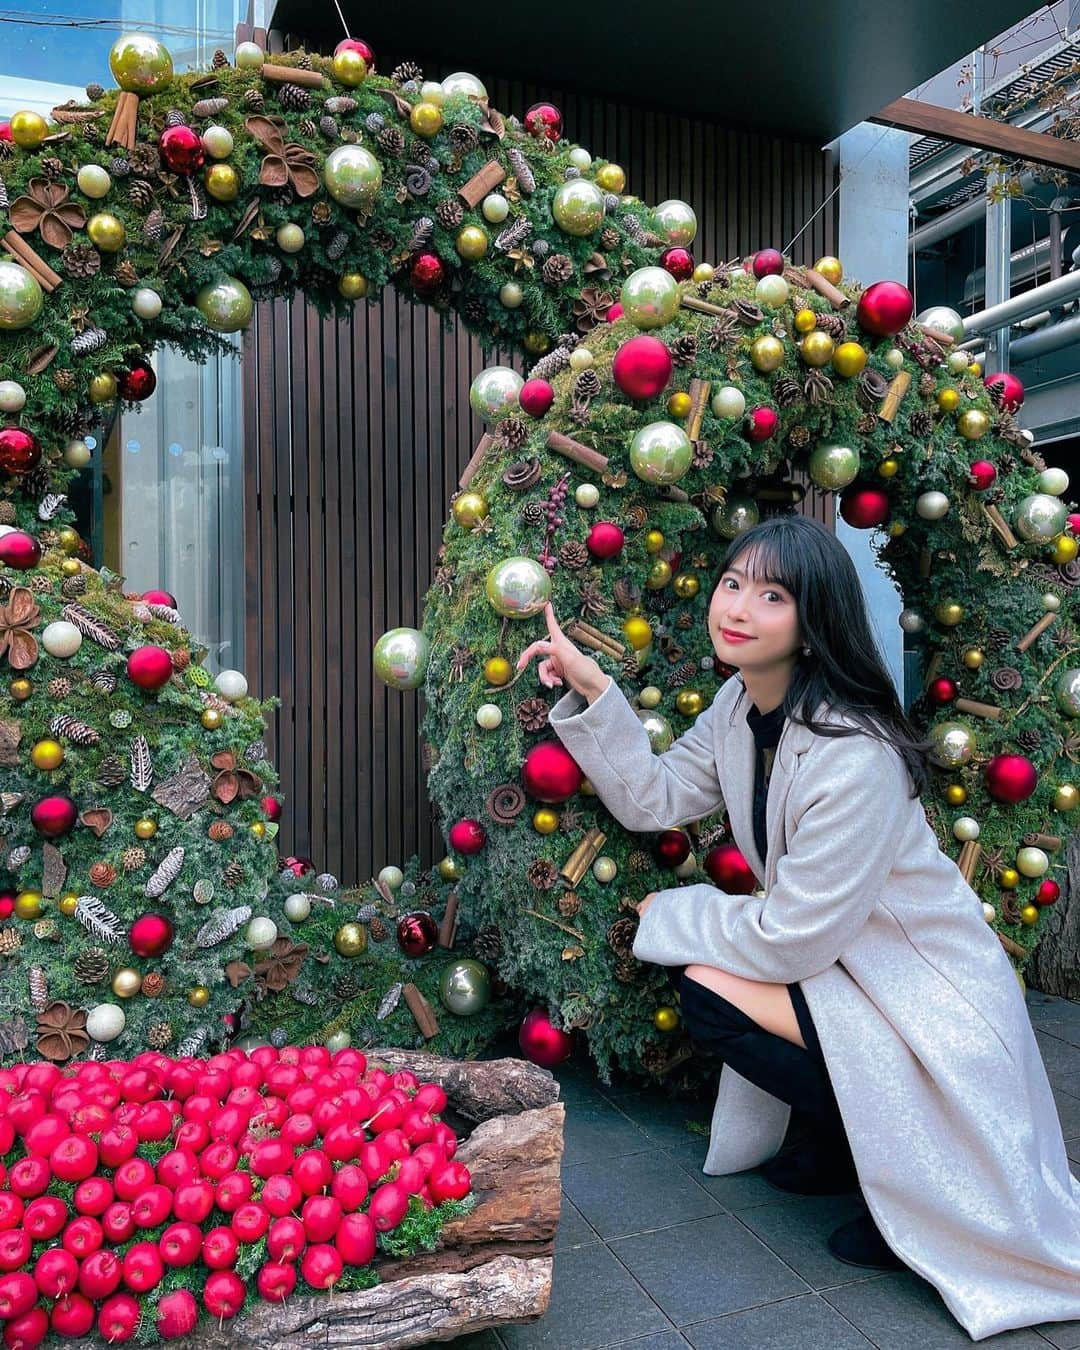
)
(297, 907)
(772, 292)
(249, 56)
(6, 529)
(989, 912)
(146, 303)
(511, 295)
(461, 82)
(93, 180)
(581, 359)
(261, 933)
(391, 876)
(1051, 602)
(586, 495)
(894, 358)
(290, 238)
(958, 362)
(489, 716)
(12, 396)
(231, 685)
(966, 828)
(218, 142)
(495, 208)
(431, 91)
(105, 1022)
(687, 867)
(1032, 862)
(61, 639)
(580, 158)
(932, 505)
(605, 868)
(1054, 481)
(77, 454)
(338, 1040)
(729, 403)
(736, 273)
(911, 621)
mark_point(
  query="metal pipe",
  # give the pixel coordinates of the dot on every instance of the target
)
(1048, 339)
(951, 222)
(1046, 296)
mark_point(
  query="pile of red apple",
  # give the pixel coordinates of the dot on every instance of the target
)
(114, 1174)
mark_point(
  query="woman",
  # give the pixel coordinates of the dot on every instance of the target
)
(861, 984)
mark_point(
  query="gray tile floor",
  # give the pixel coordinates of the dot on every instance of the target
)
(652, 1254)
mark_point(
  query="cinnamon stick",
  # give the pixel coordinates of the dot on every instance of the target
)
(827, 290)
(925, 559)
(702, 306)
(421, 1009)
(998, 521)
(901, 383)
(1033, 633)
(943, 339)
(469, 472)
(448, 927)
(482, 182)
(592, 637)
(583, 857)
(977, 709)
(25, 256)
(123, 127)
(969, 859)
(671, 493)
(1051, 842)
(699, 398)
(308, 79)
(386, 893)
(580, 454)
(1013, 948)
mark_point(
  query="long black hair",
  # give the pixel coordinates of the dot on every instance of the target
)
(844, 667)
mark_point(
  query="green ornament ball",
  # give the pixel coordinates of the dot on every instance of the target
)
(658, 729)
(225, 305)
(352, 175)
(494, 392)
(660, 453)
(518, 588)
(650, 297)
(465, 987)
(833, 466)
(140, 64)
(1040, 518)
(675, 222)
(578, 207)
(401, 657)
(733, 516)
(1067, 691)
(21, 297)
(953, 744)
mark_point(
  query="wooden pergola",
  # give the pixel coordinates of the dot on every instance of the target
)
(907, 114)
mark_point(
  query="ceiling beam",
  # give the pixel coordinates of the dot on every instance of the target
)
(981, 132)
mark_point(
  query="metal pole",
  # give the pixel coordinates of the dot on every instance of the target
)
(1046, 296)
(998, 248)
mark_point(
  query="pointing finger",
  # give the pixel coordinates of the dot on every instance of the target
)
(552, 622)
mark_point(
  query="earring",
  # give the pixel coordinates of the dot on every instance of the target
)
(807, 651)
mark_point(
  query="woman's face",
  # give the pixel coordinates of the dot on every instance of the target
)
(763, 611)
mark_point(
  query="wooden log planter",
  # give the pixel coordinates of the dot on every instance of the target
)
(492, 1267)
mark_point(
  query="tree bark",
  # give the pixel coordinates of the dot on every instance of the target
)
(1055, 962)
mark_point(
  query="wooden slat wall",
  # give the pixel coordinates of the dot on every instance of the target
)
(355, 435)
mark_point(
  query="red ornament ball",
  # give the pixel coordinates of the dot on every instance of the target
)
(7, 904)
(5, 131)
(605, 540)
(417, 933)
(761, 424)
(19, 549)
(359, 46)
(149, 667)
(884, 308)
(864, 506)
(270, 807)
(54, 816)
(160, 598)
(728, 869)
(550, 773)
(981, 474)
(768, 262)
(137, 382)
(182, 150)
(536, 397)
(1049, 892)
(427, 273)
(1010, 778)
(679, 262)
(614, 313)
(467, 836)
(1007, 389)
(19, 450)
(642, 367)
(1072, 521)
(544, 121)
(672, 848)
(296, 864)
(942, 690)
(150, 935)
(543, 1043)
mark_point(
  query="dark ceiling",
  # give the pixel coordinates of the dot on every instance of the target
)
(799, 67)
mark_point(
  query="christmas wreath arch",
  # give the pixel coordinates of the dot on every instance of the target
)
(670, 404)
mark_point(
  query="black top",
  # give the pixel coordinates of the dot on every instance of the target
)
(767, 728)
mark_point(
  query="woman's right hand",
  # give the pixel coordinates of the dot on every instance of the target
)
(562, 661)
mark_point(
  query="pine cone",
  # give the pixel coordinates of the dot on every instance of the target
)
(140, 193)
(569, 904)
(921, 424)
(702, 456)
(94, 91)
(681, 674)
(181, 658)
(474, 310)
(513, 432)
(125, 274)
(927, 384)
(60, 687)
(378, 929)
(145, 160)
(542, 874)
(639, 861)
(219, 831)
(10, 941)
(91, 966)
(64, 379)
(112, 771)
(80, 261)
(610, 238)
(120, 166)
(450, 213)
(786, 391)
(573, 555)
(51, 167)
(153, 984)
(626, 969)
(557, 270)
(832, 324)
(159, 1035)
(532, 714)
(335, 249)
(799, 438)
(346, 987)
(102, 874)
(1029, 740)
(866, 424)
(233, 874)
(104, 681)
(153, 225)
(294, 97)
(132, 858)
(684, 349)
(391, 141)
(253, 98)
(219, 60)
(407, 70)
(7, 511)
(308, 128)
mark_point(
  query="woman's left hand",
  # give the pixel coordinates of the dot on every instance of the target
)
(643, 905)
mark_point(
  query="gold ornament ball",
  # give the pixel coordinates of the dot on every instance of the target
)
(353, 286)
(896, 529)
(498, 670)
(47, 755)
(145, 828)
(1029, 915)
(665, 1019)
(350, 68)
(469, 509)
(948, 399)
(140, 64)
(817, 348)
(1009, 878)
(103, 387)
(689, 702)
(830, 268)
(949, 613)
(471, 242)
(849, 359)
(545, 821)
(258, 829)
(973, 658)
(679, 405)
(638, 632)
(71, 567)
(198, 996)
(1064, 549)
(351, 939)
(650, 697)
(222, 182)
(211, 718)
(654, 541)
(536, 343)
(449, 870)
(68, 904)
(28, 129)
(889, 468)
(611, 177)
(106, 232)
(973, 424)
(20, 689)
(586, 789)
(766, 354)
(704, 272)
(426, 119)
(956, 794)
(686, 585)
(1066, 797)
(659, 575)
(28, 905)
(974, 368)
(126, 983)
(68, 539)
(805, 321)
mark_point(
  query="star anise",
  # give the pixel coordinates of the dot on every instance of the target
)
(721, 331)
(993, 861)
(61, 1031)
(18, 615)
(569, 819)
(590, 307)
(460, 660)
(170, 182)
(282, 965)
(1071, 747)
(45, 207)
(445, 578)
(232, 782)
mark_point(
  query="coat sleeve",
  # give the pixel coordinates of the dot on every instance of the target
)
(850, 811)
(642, 790)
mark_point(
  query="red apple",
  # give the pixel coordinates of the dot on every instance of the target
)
(180, 1244)
(143, 1267)
(83, 1236)
(321, 1266)
(275, 1281)
(100, 1275)
(356, 1239)
(72, 1315)
(118, 1318)
(286, 1238)
(219, 1248)
(177, 1314)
